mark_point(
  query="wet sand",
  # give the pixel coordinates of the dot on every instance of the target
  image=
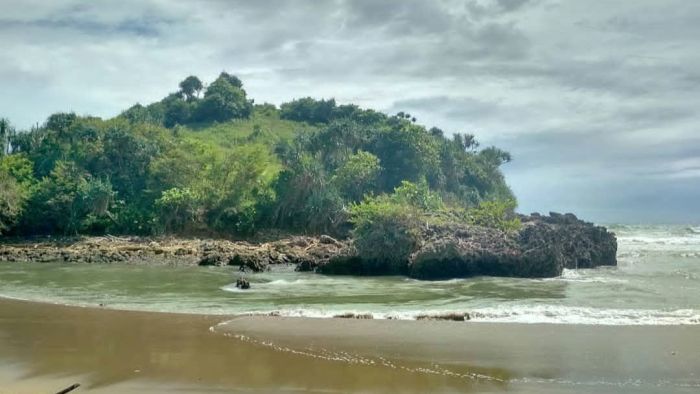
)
(44, 348)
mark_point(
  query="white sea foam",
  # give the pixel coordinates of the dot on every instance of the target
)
(582, 315)
(548, 314)
(284, 282)
(584, 276)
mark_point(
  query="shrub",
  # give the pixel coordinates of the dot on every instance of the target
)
(385, 231)
(223, 101)
(497, 214)
(179, 209)
(12, 200)
(357, 175)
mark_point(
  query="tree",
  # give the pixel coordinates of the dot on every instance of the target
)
(191, 87)
(179, 210)
(231, 79)
(307, 200)
(6, 134)
(308, 110)
(224, 100)
(407, 152)
(335, 142)
(61, 122)
(15, 188)
(176, 111)
(357, 176)
(69, 201)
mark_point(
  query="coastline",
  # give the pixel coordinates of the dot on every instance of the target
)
(172, 251)
(542, 247)
(124, 351)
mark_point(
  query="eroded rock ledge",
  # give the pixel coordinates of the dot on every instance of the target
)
(542, 248)
(298, 250)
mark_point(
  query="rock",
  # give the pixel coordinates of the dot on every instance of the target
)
(328, 240)
(351, 315)
(211, 259)
(255, 260)
(446, 316)
(242, 284)
(542, 248)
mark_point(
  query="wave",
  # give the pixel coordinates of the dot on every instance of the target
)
(572, 275)
(589, 316)
(231, 287)
(660, 240)
(518, 314)
(694, 229)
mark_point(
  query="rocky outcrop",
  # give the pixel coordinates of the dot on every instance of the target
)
(308, 252)
(542, 248)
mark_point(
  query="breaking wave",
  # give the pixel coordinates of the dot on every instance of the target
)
(545, 314)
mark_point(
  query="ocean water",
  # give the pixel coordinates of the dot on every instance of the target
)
(656, 282)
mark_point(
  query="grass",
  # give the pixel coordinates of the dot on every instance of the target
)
(262, 127)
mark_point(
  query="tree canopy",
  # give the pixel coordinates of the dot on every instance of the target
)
(206, 159)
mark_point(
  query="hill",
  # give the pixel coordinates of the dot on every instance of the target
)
(206, 159)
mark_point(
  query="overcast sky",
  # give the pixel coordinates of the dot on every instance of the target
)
(598, 101)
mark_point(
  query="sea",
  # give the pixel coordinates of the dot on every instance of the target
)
(656, 282)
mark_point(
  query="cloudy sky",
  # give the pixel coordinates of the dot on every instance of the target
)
(598, 101)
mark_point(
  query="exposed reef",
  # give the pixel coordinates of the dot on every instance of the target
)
(543, 247)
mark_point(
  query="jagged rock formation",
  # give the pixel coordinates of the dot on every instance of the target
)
(301, 251)
(542, 248)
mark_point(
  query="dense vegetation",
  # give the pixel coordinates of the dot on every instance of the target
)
(208, 160)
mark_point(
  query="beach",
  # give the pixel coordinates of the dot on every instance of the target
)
(45, 347)
(121, 328)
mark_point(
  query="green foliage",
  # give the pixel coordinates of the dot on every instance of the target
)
(179, 210)
(306, 198)
(20, 168)
(497, 214)
(357, 176)
(69, 201)
(417, 195)
(308, 110)
(16, 187)
(209, 160)
(387, 227)
(223, 101)
(177, 111)
(13, 197)
(407, 152)
(190, 87)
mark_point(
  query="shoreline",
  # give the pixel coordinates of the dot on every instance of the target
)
(541, 248)
(172, 251)
(112, 350)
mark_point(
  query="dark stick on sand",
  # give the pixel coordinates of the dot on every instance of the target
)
(69, 388)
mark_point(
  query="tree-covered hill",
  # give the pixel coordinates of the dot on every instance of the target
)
(208, 160)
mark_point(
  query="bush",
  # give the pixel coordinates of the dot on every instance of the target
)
(223, 101)
(385, 232)
(12, 200)
(308, 110)
(357, 176)
(497, 214)
(179, 209)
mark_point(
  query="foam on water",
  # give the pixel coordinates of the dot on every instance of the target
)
(657, 282)
(522, 314)
(583, 276)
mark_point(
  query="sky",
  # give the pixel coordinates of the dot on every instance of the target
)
(597, 100)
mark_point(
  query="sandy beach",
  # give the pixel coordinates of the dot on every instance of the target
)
(45, 347)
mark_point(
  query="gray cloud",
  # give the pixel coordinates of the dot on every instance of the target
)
(595, 100)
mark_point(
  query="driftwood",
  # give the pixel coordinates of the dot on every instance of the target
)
(69, 388)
